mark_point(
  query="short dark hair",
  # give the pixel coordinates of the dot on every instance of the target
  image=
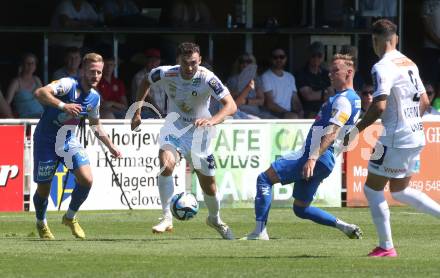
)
(384, 28)
(187, 48)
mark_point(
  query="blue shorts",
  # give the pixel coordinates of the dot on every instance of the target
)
(289, 169)
(46, 159)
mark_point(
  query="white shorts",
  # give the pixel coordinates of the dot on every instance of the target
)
(395, 162)
(193, 145)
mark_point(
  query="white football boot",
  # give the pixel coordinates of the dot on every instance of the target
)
(256, 236)
(165, 225)
(353, 231)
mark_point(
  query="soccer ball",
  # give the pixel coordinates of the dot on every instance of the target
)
(184, 206)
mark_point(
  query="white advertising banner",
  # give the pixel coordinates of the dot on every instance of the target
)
(136, 171)
(242, 150)
(246, 148)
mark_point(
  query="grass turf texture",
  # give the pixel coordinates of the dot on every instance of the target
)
(120, 244)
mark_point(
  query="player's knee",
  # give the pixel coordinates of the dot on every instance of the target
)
(43, 190)
(301, 212)
(167, 170)
(85, 181)
(263, 180)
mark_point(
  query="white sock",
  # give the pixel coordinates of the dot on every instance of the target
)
(380, 212)
(70, 214)
(166, 190)
(260, 227)
(213, 205)
(418, 200)
(42, 222)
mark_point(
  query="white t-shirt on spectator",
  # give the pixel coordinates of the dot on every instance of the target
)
(282, 88)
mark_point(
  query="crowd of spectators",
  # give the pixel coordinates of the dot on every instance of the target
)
(260, 93)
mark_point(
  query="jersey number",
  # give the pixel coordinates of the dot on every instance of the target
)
(414, 81)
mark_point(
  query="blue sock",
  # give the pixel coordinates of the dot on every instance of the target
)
(79, 195)
(263, 199)
(40, 204)
(315, 214)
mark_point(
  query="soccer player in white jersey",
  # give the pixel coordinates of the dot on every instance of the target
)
(189, 87)
(399, 99)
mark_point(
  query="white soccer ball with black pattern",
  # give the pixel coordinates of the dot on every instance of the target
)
(184, 206)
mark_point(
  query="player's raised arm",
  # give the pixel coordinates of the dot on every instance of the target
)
(424, 103)
(330, 135)
(100, 133)
(46, 96)
(228, 109)
(142, 93)
(373, 113)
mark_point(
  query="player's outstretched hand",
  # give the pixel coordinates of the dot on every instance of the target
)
(203, 122)
(308, 168)
(115, 153)
(135, 121)
(72, 109)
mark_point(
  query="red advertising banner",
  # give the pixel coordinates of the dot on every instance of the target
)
(427, 180)
(11, 167)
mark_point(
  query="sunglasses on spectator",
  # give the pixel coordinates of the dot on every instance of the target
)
(366, 93)
(281, 57)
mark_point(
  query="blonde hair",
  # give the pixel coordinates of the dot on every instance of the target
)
(347, 59)
(92, 58)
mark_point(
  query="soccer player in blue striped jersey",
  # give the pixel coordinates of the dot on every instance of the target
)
(315, 161)
(66, 101)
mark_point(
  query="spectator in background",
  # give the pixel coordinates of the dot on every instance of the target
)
(76, 14)
(373, 9)
(72, 61)
(248, 94)
(5, 109)
(366, 95)
(157, 96)
(352, 50)
(21, 89)
(434, 105)
(313, 82)
(279, 88)
(112, 91)
(187, 13)
(430, 70)
(120, 12)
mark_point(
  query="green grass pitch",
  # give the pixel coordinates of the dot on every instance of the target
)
(120, 244)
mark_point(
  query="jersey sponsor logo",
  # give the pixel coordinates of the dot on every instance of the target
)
(334, 112)
(343, 117)
(7, 172)
(215, 85)
(403, 62)
(394, 170)
(196, 81)
(411, 112)
(155, 76)
(211, 161)
(170, 74)
(58, 88)
(46, 169)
